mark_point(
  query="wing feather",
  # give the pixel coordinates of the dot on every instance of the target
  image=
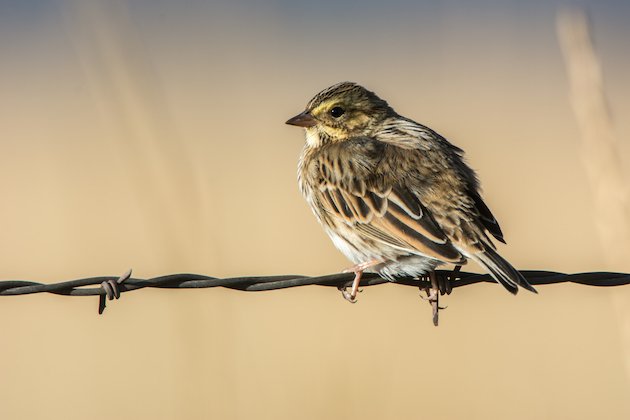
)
(487, 218)
(357, 206)
(343, 208)
(419, 242)
(397, 219)
(377, 204)
(406, 200)
(427, 227)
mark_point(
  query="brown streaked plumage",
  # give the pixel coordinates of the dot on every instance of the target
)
(394, 196)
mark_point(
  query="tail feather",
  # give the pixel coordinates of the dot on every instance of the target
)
(502, 271)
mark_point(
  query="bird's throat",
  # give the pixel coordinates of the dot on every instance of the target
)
(313, 137)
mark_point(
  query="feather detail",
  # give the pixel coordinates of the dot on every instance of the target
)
(486, 217)
(406, 200)
(418, 243)
(502, 271)
(376, 203)
(422, 224)
(397, 219)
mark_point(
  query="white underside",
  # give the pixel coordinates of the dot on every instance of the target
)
(396, 262)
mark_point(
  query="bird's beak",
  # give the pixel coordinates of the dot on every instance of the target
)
(302, 120)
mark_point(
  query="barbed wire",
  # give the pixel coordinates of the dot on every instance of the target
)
(111, 287)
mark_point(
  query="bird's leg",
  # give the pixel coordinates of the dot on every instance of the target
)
(358, 272)
(363, 266)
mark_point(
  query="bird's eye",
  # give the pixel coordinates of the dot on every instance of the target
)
(337, 111)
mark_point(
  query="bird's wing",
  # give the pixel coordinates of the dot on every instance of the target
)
(486, 217)
(379, 207)
(408, 134)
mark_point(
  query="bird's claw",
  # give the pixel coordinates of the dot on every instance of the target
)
(347, 295)
(432, 298)
(437, 287)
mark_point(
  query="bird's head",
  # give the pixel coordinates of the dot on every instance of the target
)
(342, 111)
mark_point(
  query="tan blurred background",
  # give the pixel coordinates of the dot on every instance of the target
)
(149, 134)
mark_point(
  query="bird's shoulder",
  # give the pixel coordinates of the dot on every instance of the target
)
(408, 134)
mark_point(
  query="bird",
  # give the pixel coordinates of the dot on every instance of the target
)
(394, 196)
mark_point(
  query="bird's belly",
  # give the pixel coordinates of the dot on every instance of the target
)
(395, 262)
(409, 265)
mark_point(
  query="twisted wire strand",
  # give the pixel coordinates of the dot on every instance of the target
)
(111, 287)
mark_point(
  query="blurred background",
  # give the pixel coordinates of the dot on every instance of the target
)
(150, 134)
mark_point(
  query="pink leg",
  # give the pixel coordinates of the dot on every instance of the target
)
(352, 296)
(358, 272)
(362, 266)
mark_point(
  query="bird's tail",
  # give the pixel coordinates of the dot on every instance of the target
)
(502, 271)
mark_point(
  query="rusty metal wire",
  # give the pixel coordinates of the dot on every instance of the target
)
(111, 287)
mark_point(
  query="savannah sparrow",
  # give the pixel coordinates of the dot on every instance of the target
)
(395, 197)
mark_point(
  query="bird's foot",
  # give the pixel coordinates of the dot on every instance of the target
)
(348, 295)
(438, 286)
(351, 296)
(358, 269)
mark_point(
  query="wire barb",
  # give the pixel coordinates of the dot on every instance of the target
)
(111, 289)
